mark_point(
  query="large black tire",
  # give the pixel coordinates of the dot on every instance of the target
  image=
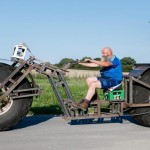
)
(14, 110)
(141, 94)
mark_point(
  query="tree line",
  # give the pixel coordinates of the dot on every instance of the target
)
(127, 63)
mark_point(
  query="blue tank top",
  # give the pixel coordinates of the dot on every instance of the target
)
(114, 71)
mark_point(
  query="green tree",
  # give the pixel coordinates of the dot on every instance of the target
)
(128, 61)
(97, 58)
(64, 61)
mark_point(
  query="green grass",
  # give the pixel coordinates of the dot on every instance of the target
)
(47, 102)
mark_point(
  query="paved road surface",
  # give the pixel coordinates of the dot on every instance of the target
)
(54, 133)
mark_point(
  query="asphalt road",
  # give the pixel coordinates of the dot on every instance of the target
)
(54, 133)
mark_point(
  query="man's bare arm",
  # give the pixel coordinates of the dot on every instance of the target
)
(95, 63)
(101, 63)
(88, 64)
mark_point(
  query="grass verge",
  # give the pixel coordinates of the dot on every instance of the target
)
(47, 102)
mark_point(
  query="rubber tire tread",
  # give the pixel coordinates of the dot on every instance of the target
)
(19, 107)
(140, 95)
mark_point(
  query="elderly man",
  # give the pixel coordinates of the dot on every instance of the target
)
(111, 75)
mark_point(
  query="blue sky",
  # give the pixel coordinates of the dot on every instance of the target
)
(57, 29)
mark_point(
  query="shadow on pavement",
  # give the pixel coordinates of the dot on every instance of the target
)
(37, 119)
(32, 120)
(102, 120)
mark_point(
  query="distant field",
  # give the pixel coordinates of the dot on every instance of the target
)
(81, 73)
(73, 73)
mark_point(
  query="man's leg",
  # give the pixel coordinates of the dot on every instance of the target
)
(92, 88)
(89, 80)
(91, 91)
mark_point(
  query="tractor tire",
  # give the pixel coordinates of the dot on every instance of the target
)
(13, 110)
(142, 95)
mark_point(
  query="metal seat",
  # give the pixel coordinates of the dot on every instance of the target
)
(117, 87)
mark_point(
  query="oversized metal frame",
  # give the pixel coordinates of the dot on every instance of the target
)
(57, 79)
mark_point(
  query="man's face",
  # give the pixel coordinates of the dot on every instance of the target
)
(105, 56)
(104, 53)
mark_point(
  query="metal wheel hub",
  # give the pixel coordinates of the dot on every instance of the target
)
(6, 104)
